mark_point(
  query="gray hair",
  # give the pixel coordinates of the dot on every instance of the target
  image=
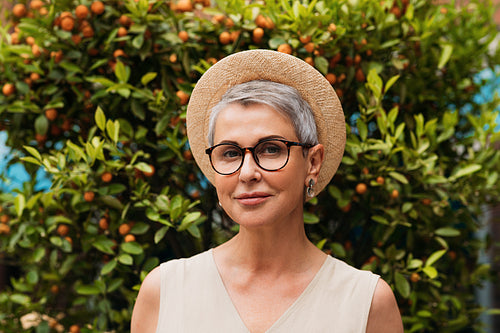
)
(281, 97)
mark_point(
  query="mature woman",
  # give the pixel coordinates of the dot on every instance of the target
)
(268, 131)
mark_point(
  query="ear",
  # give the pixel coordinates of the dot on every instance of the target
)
(315, 159)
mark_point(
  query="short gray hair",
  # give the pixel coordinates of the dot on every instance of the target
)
(281, 97)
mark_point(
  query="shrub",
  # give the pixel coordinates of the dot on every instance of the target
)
(95, 93)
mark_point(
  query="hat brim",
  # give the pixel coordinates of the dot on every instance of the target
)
(277, 67)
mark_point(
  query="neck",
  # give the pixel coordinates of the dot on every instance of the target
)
(271, 248)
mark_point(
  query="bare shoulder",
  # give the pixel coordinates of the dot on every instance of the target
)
(384, 314)
(147, 305)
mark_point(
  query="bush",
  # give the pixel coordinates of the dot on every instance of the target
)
(95, 93)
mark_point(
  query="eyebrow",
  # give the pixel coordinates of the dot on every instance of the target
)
(269, 137)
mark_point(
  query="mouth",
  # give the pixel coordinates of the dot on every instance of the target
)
(252, 199)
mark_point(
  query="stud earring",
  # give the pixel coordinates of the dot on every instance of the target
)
(310, 190)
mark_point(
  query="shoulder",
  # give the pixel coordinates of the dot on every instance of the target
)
(147, 305)
(384, 314)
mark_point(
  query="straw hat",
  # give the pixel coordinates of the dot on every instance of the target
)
(272, 66)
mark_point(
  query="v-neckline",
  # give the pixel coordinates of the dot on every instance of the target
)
(286, 313)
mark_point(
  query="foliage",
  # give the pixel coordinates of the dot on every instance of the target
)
(98, 100)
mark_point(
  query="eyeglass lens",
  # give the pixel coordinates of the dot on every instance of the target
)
(269, 155)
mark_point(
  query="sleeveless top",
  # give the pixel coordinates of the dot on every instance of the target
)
(193, 299)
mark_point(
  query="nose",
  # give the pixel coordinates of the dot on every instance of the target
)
(249, 170)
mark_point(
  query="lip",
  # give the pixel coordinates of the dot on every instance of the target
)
(253, 198)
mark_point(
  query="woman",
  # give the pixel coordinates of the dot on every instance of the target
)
(268, 131)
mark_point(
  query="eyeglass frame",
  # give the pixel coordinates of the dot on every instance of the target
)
(244, 150)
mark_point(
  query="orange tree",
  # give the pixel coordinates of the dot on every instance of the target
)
(95, 94)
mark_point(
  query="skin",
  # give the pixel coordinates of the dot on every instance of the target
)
(270, 262)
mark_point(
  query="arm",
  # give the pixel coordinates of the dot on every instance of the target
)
(147, 305)
(384, 316)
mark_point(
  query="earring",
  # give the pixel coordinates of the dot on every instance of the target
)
(310, 190)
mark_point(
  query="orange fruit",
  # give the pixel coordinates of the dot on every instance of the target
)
(106, 177)
(14, 38)
(88, 32)
(122, 32)
(361, 188)
(229, 23)
(309, 60)
(69, 239)
(119, 53)
(62, 230)
(331, 78)
(309, 47)
(129, 238)
(225, 38)
(258, 33)
(19, 10)
(89, 196)
(67, 23)
(81, 12)
(36, 4)
(346, 208)
(332, 27)
(183, 97)
(43, 11)
(35, 49)
(396, 11)
(76, 39)
(235, 35)
(35, 76)
(269, 23)
(414, 277)
(260, 20)
(173, 58)
(285, 48)
(380, 180)
(305, 39)
(8, 89)
(443, 10)
(124, 229)
(183, 35)
(103, 223)
(57, 56)
(394, 194)
(54, 289)
(97, 7)
(187, 154)
(357, 59)
(4, 219)
(74, 329)
(4, 229)
(65, 14)
(125, 20)
(426, 201)
(184, 5)
(219, 18)
(51, 114)
(365, 171)
(360, 76)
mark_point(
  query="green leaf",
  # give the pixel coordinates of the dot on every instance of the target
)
(321, 64)
(445, 55)
(430, 272)
(20, 299)
(310, 218)
(465, 171)
(399, 177)
(19, 204)
(33, 152)
(374, 82)
(362, 129)
(380, 219)
(108, 267)
(41, 125)
(194, 231)
(402, 285)
(434, 257)
(132, 248)
(104, 244)
(30, 159)
(447, 232)
(87, 290)
(126, 259)
(160, 234)
(148, 77)
(122, 72)
(414, 264)
(100, 118)
(390, 82)
(188, 219)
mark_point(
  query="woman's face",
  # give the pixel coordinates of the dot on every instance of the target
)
(254, 197)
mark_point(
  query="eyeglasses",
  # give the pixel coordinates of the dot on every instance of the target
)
(269, 154)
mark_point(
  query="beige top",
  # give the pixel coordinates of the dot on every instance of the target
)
(193, 299)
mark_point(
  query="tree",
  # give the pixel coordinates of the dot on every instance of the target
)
(95, 93)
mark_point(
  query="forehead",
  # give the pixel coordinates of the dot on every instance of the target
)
(252, 122)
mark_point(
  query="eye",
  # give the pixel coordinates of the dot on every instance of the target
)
(230, 152)
(271, 148)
